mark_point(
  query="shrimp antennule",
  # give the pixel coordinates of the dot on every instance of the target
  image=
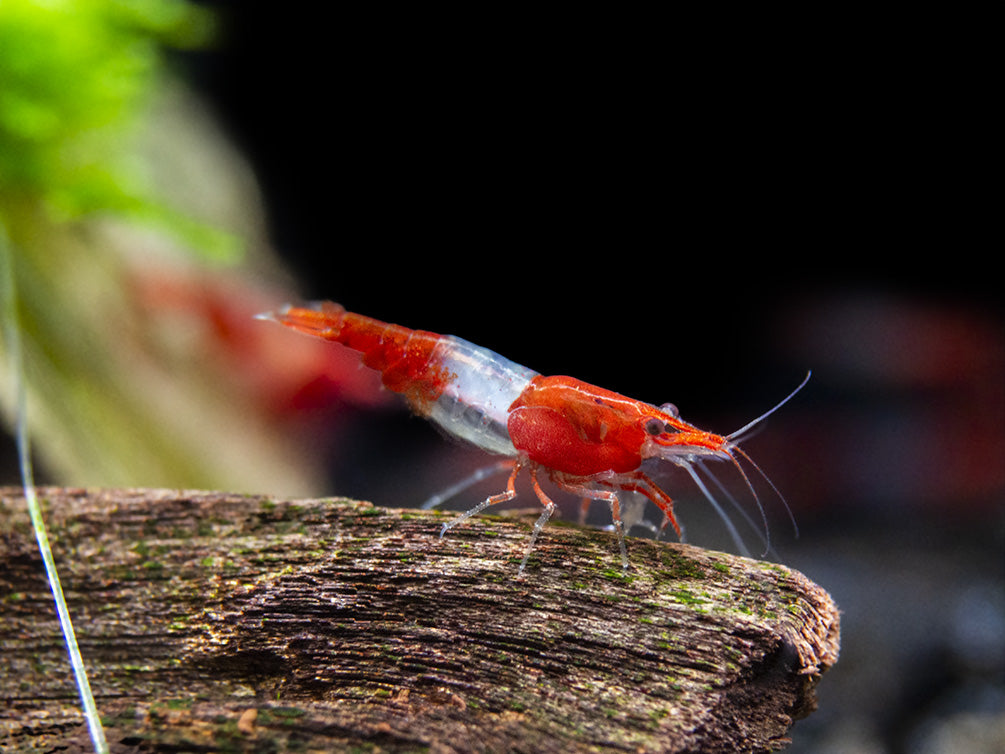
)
(733, 449)
(734, 436)
(730, 526)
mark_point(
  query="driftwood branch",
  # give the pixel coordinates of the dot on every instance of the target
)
(241, 623)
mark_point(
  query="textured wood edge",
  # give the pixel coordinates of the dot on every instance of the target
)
(212, 621)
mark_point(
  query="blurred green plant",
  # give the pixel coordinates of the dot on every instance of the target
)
(74, 79)
(96, 132)
(75, 76)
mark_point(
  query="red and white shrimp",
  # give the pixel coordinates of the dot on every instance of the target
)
(590, 441)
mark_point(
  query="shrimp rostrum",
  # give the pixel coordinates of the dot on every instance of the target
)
(589, 441)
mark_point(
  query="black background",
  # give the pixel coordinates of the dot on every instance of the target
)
(639, 202)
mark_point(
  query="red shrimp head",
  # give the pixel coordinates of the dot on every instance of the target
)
(670, 438)
(673, 439)
(684, 445)
(582, 430)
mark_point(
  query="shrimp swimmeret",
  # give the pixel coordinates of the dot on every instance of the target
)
(590, 441)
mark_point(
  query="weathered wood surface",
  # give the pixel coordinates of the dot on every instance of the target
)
(214, 622)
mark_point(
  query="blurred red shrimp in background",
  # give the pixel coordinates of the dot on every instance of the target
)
(910, 414)
(216, 315)
(292, 401)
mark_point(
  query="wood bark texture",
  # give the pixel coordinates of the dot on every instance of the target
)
(219, 622)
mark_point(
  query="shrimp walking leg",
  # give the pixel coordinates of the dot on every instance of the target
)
(611, 498)
(455, 489)
(549, 510)
(502, 497)
(639, 482)
(505, 497)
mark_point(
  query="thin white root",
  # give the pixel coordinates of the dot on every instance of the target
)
(12, 342)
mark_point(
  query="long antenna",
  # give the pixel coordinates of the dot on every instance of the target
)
(12, 337)
(766, 414)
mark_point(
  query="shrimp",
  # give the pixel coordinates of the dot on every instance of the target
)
(589, 441)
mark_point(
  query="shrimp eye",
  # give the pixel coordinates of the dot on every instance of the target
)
(654, 426)
(669, 408)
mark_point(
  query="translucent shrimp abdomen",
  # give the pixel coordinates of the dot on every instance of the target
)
(474, 405)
